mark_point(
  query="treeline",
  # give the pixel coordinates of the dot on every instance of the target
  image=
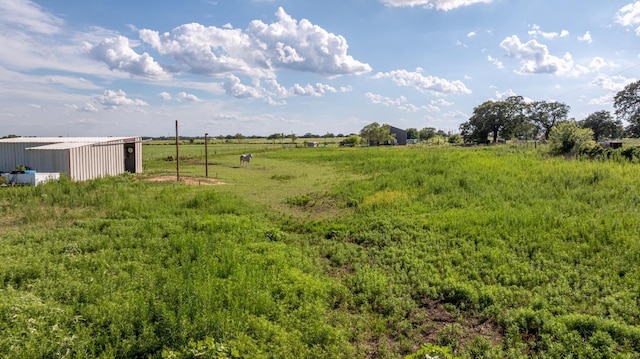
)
(516, 118)
(240, 136)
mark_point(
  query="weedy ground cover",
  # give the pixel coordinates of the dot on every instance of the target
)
(328, 253)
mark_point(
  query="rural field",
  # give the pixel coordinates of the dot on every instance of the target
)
(328, 252)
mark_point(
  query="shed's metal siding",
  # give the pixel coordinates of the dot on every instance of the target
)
(14, 154)
(138, 155)
(49, 160)
(90, 162)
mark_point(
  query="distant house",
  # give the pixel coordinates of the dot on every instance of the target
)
(80, 158)
(400, 135)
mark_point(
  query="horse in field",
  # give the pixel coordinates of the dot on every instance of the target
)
(245, 159)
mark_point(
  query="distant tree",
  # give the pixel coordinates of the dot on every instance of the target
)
(568, 138)
(545, 115)
(376, 135)
(10, 136)
(273, 137)
(412, 133)
(427, 133)
(525, 130)
(603, 125)
(340, 135)
(352, 140)
(495, 119)
(455, 139)
(627, 105)
(238, 137)
(293, 138)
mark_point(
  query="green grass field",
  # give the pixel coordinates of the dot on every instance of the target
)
(390, 252)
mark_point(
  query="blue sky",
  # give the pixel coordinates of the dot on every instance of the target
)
(119, 68)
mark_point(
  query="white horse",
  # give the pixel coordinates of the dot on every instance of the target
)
(245, 159)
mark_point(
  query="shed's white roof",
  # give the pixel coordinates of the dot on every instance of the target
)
(60, 146)
(86, 140)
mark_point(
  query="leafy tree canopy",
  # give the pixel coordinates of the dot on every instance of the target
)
(427, 133)
(495, 119)
(603, 125)
(627, 105)
(412, 133)
(375, 134)
(545, 115)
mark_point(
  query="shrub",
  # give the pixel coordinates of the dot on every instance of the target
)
(455, 139)
(631, 153)
(353, 140)
(568, 138)
(300, 201)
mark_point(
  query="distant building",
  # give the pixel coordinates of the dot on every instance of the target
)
(400, 135)
(80, 158)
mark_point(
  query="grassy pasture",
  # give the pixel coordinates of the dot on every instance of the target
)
(327, 253)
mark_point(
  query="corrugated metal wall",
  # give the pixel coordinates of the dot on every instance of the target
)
(49, 160)
(138, 155)
(96, 161)
(14, 154)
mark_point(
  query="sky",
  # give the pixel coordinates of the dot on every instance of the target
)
(261, 67)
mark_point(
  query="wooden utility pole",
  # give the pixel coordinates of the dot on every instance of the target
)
(177, 154)
(206, 156)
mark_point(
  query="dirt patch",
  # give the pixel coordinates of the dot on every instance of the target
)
(194, 181)
(439, 326)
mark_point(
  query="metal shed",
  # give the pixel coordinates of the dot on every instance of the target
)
(400, 136)
(80, 158)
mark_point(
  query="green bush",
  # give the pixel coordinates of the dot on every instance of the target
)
(567, 138)
(631, 153)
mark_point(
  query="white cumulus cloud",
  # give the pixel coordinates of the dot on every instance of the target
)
(117, 53)
(612, 83)
(183, 96)
(536, 32)
(113, 99)
(629, 15)
(258, 51)
(535, 57)
(401, 103)
(586, 37)
(495, 61)
(309, 90)
(234, 87)
(424, 83)
(444, 5)
(88, 107)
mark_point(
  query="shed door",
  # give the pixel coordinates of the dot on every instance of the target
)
(130, 157)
